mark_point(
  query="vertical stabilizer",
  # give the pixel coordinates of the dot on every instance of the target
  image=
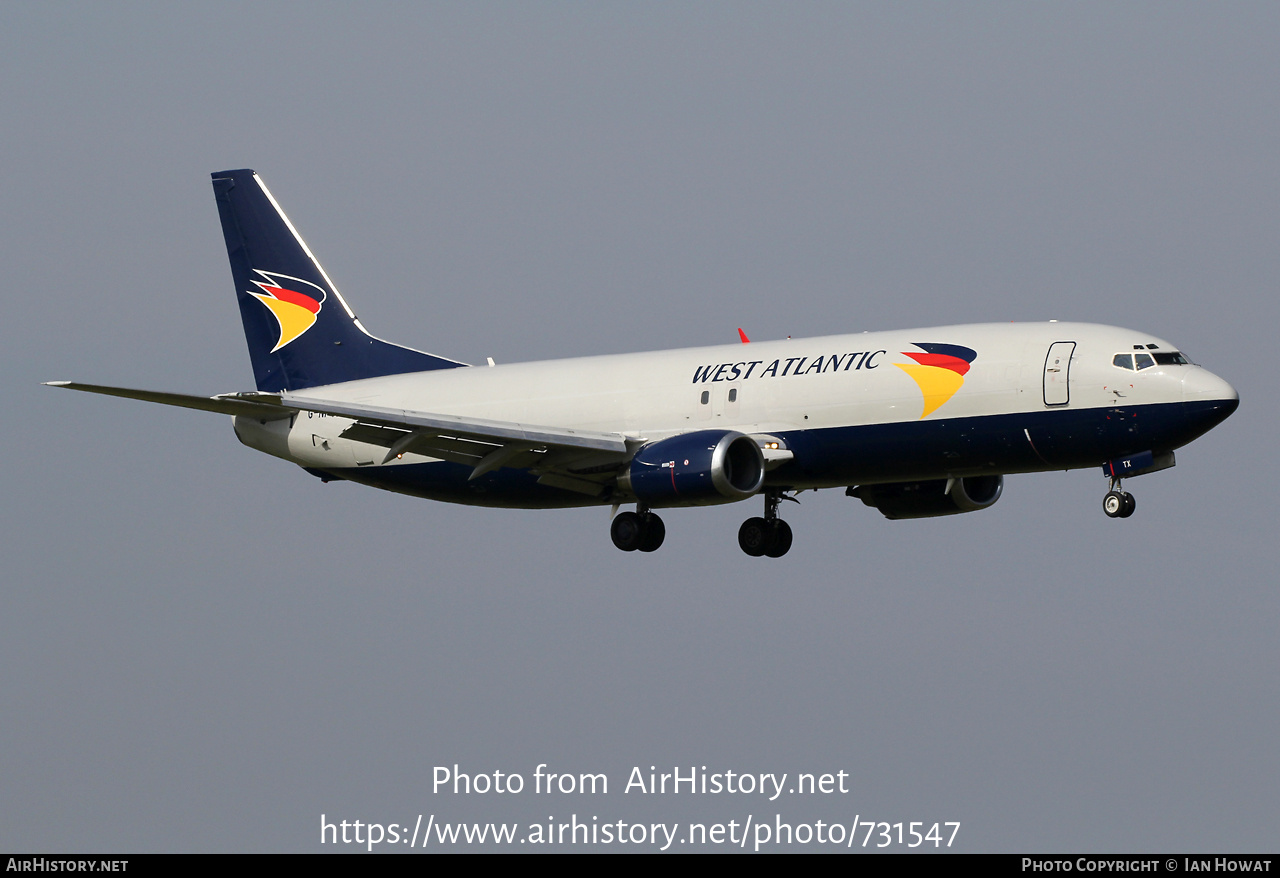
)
(300, 331)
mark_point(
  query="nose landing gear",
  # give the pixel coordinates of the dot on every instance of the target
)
(770, 535)
(1118, 503)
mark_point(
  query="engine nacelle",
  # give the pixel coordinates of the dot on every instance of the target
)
(696, 469)
(930, 499)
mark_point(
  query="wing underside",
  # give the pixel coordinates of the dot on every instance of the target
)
(582, 461)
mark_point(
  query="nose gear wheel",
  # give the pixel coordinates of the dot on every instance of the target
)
(1118, 503)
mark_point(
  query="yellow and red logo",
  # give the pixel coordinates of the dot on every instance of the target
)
(295, 303)
(938, 372)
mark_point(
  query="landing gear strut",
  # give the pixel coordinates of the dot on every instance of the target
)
(638, 530)
(769, 535)
(1118, 503)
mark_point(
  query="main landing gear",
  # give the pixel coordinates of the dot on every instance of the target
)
(1118, 503)
(638, 530)
(770, 535)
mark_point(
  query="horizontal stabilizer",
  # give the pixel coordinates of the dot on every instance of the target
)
(237, 404)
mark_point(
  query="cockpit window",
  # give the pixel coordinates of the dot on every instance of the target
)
(1147, 359)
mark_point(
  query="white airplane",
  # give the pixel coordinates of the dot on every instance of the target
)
(915, 423)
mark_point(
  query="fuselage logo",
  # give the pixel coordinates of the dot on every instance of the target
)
(939, 371)
(295, 303)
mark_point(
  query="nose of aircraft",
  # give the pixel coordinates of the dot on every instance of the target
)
(1201, 385)
(1207, 399)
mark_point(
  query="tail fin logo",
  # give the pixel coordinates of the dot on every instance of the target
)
(938, 372)
(295, 303)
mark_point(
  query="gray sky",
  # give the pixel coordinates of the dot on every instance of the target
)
(203, 649)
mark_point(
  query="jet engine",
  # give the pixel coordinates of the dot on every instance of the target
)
(696, 469)
(931, 498)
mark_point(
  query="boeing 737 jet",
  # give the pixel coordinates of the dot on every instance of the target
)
(915, 423)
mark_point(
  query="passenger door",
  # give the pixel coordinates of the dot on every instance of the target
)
(1057, 373)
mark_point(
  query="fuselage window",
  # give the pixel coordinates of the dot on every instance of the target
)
(1124, 361)
(733, 394)
(706, 397)
(1144, 361)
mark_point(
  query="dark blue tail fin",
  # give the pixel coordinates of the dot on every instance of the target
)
(300, 331)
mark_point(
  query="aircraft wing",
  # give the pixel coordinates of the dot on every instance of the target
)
(577, 460)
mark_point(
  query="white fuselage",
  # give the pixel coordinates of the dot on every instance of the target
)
(778, 388)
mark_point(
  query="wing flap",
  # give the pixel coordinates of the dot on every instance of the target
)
(554, 453)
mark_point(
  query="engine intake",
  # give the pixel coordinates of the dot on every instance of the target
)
(931, 498)
(696, 469)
